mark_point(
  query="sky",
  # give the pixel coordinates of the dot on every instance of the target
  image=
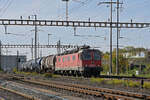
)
(137, 10)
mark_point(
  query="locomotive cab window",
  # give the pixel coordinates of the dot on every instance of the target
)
(86, 55)
(97, 55)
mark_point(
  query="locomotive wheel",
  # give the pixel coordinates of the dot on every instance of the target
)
(79, 73)
(97, 74)
(74, 73)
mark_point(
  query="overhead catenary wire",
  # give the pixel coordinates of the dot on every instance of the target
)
(71, 10)
(6, 6)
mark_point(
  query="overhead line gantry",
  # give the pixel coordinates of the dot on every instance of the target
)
(38, 46)
(36, 22)
(72, 23)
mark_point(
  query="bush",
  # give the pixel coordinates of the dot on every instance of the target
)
(34, 73)
(117, 82)
(134, 84)
(147, 85)
(56, 76)
(110, 82)
(97, 80)
(15, 70)
(48, 75)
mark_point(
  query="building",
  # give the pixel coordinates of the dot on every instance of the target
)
(8, 62)
(136, 55)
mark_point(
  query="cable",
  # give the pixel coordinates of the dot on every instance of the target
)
(40, 6)
(84, 3)
(81, 5)
(7, 6)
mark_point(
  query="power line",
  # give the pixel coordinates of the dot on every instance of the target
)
(83, 3)
(6, 7)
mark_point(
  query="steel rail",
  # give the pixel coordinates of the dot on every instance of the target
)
(105, 90)
(99, 92)
(21, 94)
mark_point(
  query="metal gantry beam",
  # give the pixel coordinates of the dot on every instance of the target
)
(39, 46)
(72, 23)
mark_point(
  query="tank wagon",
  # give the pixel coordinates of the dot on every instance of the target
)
(82, 61)
(48, 63)
(31, 65)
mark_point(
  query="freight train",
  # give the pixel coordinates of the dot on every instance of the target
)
(82, 61)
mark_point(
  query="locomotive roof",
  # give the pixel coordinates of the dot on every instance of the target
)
(79, 49)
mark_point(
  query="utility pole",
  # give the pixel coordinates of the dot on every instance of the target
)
(67, 1)
(48, 38)
(110, 66)
(58, 47)
(17, 59)
(0, 55)
(32, 49)
(117, 50)
(36, 53)
(38, 49)
(111, 19)
(35, 50)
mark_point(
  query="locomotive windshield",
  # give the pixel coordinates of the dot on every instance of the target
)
(86, 55)
(97, 55)
(91, 54)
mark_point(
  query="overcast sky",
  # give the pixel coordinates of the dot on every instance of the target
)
(137, 10)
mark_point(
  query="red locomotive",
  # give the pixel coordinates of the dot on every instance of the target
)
(82, 61)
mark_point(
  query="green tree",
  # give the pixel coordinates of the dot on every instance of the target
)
(105, 62)
(123, 62)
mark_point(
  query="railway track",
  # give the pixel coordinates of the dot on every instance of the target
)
(11, 83)
(8, 94)
(123, 77)
(87, 90)
(110, 77)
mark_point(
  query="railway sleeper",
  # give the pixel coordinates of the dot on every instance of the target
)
(21, 94)
(100, 90)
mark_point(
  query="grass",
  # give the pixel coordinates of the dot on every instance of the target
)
(134, 84)
(97, 80)
(126, 83)
(147, 85)
(144, 75)
(48, 75)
